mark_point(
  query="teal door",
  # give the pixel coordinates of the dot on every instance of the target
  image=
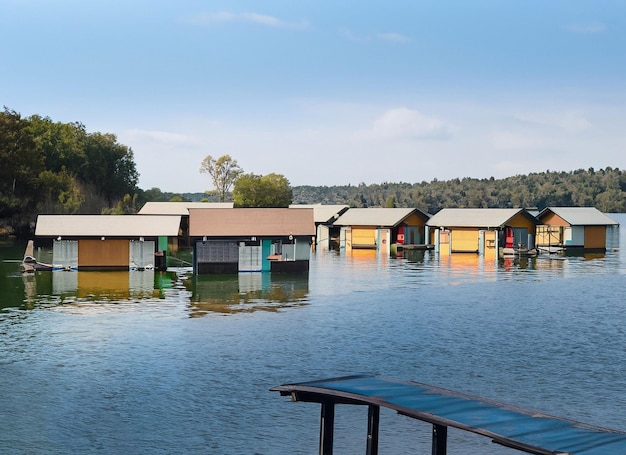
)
(266, 250)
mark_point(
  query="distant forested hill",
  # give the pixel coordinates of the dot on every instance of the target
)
(604, 189)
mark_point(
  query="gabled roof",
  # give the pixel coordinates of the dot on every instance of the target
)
(107, 225)
(322, 213)
(250, 222)
(179, 208)
(579, 216)
(384, 217)
(475, 218)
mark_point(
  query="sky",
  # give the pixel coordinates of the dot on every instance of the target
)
(328, 92)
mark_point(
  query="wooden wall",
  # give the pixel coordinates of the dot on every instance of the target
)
(103, 253)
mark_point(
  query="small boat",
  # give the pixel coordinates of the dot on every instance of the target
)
(521, 251)
(30, 264)
(550, 249)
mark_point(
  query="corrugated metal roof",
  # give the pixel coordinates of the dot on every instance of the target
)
(251, 222)
(580, 216)
(179, 208)
(107, 225)
(476, 218)
(376, 216)
(322, 213)
(514, 427)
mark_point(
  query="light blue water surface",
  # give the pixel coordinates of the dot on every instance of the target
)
(145, 364)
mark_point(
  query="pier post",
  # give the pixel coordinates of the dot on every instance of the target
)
(373, 420)
(440, 440)
(327, 423)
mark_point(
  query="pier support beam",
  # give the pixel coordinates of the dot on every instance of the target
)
(440, 440)
(373, 420)
(327, 424)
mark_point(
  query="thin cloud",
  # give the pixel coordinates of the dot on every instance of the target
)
(572, 121)
(510, 141)
(351, 36)
(590, 28)
(249, 18)
(164, 138)
(393, 37)
(389, 37)
(403, 123)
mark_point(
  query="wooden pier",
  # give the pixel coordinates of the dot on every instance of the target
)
(511, 426)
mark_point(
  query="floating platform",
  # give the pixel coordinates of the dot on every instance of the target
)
(414, 247)
(511, 426)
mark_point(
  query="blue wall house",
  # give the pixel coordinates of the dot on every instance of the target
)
(233, 240)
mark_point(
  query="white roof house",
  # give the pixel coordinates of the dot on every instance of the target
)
(107, 225)
(475, 218)
(579, 216)
(323, 213)
(383, 217)
(180, 208)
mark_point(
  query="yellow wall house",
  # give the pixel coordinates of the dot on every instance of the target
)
(573, 228)
(489, 232)
(379, 228)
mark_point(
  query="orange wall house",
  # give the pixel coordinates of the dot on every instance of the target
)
(574, 228)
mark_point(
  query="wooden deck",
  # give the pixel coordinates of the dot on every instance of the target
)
(511, 426)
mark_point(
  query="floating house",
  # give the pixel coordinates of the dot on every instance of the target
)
(108, 242)
(232, 240)
(482, 231)
(379, 228)
(180, 209)
(326, 233)
(573, 228)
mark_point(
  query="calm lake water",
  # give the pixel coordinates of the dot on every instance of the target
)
(145, 363)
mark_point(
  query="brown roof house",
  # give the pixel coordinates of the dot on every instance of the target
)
(233, 240)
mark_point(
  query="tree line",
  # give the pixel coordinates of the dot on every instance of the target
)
(54, 167)
(604, 189)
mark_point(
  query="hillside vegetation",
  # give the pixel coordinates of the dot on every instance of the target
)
(604, 189)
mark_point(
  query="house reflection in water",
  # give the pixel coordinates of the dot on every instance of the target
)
(246, 292)
(114, 285)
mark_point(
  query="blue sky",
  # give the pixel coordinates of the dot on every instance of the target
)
(328, 92)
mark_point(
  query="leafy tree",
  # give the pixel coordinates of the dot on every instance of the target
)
(271, 190)
(224, 173)
(62, 144)
(126, 206)
(21, 165)
(110, 166)
(59, 192)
